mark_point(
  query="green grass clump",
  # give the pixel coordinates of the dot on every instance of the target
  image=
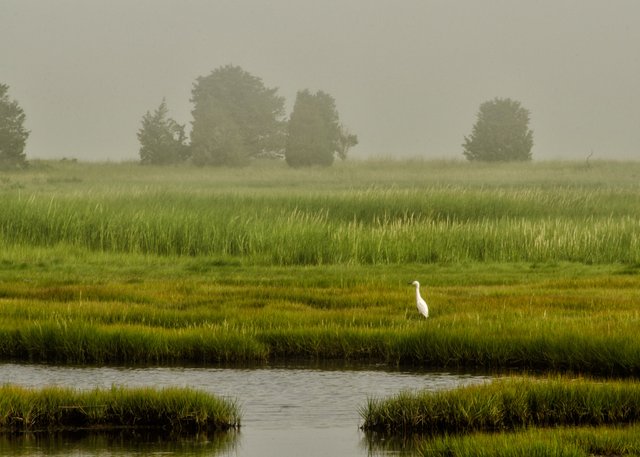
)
(506, 404)
(543, 442)
(56, 408)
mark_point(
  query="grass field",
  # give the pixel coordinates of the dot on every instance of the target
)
(69, 306)
(525, 266)
(389, 213)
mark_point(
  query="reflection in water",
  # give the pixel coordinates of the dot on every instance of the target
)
(119, 443)
(286, 411)
(386, 444)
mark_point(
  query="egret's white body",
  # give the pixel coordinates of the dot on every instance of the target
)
(420, 303)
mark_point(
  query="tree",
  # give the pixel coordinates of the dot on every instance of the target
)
(162, 140)
(315, 134)
(235, 118)
(501, 133)
(13, 135)
(346, 141)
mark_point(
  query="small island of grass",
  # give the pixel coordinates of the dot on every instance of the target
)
(56, 408)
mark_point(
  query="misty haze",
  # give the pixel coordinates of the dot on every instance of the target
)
(407, 77)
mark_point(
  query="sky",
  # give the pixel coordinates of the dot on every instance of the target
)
(408, 76)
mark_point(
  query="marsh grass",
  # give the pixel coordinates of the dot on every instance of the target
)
(111, 308)
(362, 213)
(524, 265)
(386, 227)
(506, 404)
(545, 441)
(56, 408)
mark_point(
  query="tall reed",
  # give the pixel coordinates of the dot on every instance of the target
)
(382, 227)
(353, 215)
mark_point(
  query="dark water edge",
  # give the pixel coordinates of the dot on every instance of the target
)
(121, 442)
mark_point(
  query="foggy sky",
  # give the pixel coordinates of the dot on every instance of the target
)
(408, 76)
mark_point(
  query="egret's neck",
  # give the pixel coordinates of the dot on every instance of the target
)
(417, 291)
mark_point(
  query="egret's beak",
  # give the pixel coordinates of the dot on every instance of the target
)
(410, 283)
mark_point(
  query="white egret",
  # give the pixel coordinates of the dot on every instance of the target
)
(420, 303)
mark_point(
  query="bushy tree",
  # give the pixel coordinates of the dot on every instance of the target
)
(235, 118)
(162, 140)
(501, 133)
(13, 135)
(315, 135)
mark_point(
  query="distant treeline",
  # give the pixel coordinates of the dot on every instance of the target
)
(236, 119)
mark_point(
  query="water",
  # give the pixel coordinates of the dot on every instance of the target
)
(286, 411)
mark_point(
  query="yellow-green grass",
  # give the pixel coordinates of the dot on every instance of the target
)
(57, 408)
(506, 404)
(543, 442)
(524, 265)
(359, 213)
(70, 306)
(386, 227)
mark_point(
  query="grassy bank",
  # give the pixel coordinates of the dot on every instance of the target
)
(511, 417)
(506, 404)
(54, 408)
(66, 305)
(543, 442)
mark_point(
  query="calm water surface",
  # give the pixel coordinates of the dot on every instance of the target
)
(286, 411)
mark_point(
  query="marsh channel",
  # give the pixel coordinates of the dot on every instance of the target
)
(287, 410)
